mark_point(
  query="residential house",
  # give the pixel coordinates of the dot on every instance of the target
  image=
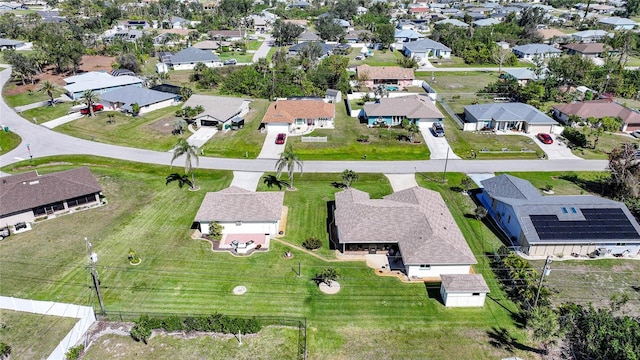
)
(134, 24)
(454, 22)
(553, 36)
(147, 99)
(618, 23)
(463, 290)
(11, 6)
(247, 218)
(522, 75)
(530, 51)
(561, 224)
(599, 109)
(588, 36)
(405, 24)
(344, 24)
(124, 35)
(333, 96)
(508, 117)
(325, 49)
(299, 5)
(218, 110)
(51, 16)
(307, 36)
(228, 35)
(210, 45)
(188, 58)
(177, 22)
(98, 82)
(361, 10)
(260, 23)
(420, 12)
(299, 115)
(426, 48)
(407, 35)
(356, 36)
(590, 50)
(486, 22)
(122, 72)
(372, 76)
(14, 44)
(423, 242)
(393, 111)
(28, 196)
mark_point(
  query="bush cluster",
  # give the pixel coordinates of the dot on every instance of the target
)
(312, 243)
(575, 137)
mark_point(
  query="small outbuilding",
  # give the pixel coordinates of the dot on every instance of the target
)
(463, 290)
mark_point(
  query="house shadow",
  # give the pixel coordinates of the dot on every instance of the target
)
(500, 338)
(598, 186)
(488, 220)
(433, 292)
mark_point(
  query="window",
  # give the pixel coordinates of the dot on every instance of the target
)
(564, 210)
(509, 219)
(621, 244)
(573, 210)
(425, 267)
(238, 223)
(475, 294)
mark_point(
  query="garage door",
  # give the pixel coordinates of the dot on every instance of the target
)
(534, 129)
(278, 128)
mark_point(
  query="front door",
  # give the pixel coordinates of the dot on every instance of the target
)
(372, 248)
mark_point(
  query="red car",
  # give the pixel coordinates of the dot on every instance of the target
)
(280, 139)
(545, 138)
(96, 107)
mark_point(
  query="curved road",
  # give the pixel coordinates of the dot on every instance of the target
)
(45, 142)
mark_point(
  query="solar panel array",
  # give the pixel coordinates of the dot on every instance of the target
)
(604, 224)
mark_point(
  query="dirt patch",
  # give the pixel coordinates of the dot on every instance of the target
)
(163, 126)
(89, 63)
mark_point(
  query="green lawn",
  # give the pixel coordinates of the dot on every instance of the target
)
(254, 44)
(32, 336)
(457, 83)
(244, 142)
(46, 113)
(342, 142)
(26, 98)
(456, 61)
(566, 183)
(240, 57)
(149, 131)
(379, 58)
(8, 141)
(371, 317)
(607, 142)
(462, 142)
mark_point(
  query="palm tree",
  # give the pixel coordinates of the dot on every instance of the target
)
(272, 180)
(190, 152)
(288, 159)
(90, 97)
(181, 179)
(179, 125)
(381, 91)
(349, 176)
(48, 87)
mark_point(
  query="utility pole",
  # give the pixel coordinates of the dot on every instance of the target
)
(93, 258)
(545, 271)
(444, 175)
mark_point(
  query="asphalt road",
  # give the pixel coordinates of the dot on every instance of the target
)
(45, 142)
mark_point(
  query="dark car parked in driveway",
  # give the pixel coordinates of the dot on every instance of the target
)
(438, 130)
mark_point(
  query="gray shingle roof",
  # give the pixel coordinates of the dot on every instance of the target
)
(536, 49)
(9, 42)
(194, 55)
(417, 219)
(464, 283)
(218, 107)
(509, 111)
(324, 48)
(131, 94)
(507, 186)
(29, 190)
(412, 106)
(236, 204)
(425, 44)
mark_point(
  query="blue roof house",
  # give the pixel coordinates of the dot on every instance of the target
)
(98, 82)
(425, 49)
(147, 99)
(530, 51)
(517, 117)
(188, 58)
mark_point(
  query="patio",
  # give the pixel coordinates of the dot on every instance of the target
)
(244, 244)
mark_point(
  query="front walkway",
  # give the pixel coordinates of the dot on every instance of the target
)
(40, 104)
(246, 180)
(62, 120)
(401, 181)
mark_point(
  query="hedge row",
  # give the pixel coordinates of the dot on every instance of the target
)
(210, 323)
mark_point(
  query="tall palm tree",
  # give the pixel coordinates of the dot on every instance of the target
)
(48, 88)
(289, 160)
(190, 152)
(349, 176)
(90, 97)
(181, 179)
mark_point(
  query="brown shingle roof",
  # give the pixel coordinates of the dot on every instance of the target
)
(236, 204)
(464, 283)
(417, 219)
(412, 106)
(385, 72)
(287, 111)
(590, 48)
(599, 109)
(29, 190)
(550, 33)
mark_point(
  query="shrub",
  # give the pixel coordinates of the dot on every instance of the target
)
(74, 352)
(141, 333)
(5, 351)
(172, 323)
(575, 137)
(312, 243)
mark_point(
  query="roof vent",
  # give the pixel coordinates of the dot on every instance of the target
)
(34, 182)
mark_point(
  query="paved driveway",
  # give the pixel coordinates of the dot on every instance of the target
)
(264, 48)
(437, 145)
(62, 120)
(270, 150)
(202, 135)
(556, 151)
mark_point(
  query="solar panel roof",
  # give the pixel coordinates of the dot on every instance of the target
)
(607, 223)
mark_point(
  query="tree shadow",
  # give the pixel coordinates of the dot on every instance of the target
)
(339, 185)
(502, 339)
(598, 186)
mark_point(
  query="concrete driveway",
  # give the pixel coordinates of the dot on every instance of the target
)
(558, 150)
(264, 48)
(62, 120)
(271, 150)
(202, 135)
(437, 145)
(246, 179)
(401, 181)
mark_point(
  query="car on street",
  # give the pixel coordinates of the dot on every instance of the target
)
(231, 62)
(360, 57)
(281, 138)
(545, 138)
(438, 130)
(96, 107)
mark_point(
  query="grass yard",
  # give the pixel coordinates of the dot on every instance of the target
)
(270, 343)
(566, 183)
(456, 61)
(150, 131)
(246, 141)
(342, 142)
(254, 44)
(46, 113)
(26, 98)
(607, 142)
(379, 58)
(371, 317)
(462, 142)
(8, 141)
(32, 336)
(457, 83)
(240, 57)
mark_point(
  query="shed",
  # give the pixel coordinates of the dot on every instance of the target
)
(463, 290)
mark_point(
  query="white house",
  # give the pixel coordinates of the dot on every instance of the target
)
(618, 23)
(299, 115)
(98, 82)
(530, 51)
(463, 290)
(218, 110)
(426, 48)
(147, 99)
(188, 58)
(508, 116)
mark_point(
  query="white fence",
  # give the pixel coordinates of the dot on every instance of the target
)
(314, 139)
(85, 315)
